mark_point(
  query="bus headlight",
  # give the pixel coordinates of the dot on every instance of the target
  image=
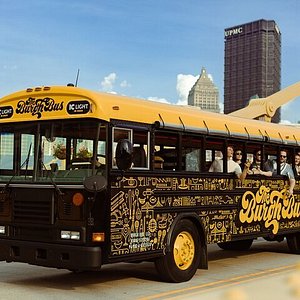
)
(70, 235)
(2, 230)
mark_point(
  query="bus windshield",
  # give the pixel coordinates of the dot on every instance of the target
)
(64, 151)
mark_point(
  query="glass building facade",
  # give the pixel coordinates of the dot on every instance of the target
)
(252, 66)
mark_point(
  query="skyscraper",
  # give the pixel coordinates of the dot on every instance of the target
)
(204, 93)
(252, 63)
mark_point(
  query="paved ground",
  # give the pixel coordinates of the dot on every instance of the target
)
(266, 271)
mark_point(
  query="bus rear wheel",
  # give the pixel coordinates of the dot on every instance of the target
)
(293, 241)
(181, 263)
(242, 245)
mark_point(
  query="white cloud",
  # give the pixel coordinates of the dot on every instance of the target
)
(107, 83)
(183, 86)
(285, 122)
(9, 67)
(125, 84)
(286, 106)
(156, 99)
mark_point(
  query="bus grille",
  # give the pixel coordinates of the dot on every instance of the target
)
(33, 206)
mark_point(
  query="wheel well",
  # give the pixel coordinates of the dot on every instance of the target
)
(200, 228)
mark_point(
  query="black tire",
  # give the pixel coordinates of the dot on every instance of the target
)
(181, 263)
(242, 245)
(293, 242)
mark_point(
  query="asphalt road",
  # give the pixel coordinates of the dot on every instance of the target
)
(266, 271)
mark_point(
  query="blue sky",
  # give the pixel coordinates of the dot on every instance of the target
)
(151, 49)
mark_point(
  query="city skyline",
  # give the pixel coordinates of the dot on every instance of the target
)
(151, 50)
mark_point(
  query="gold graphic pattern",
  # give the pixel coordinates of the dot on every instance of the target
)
(144, 208)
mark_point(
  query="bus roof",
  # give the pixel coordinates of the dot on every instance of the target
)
(61, 102)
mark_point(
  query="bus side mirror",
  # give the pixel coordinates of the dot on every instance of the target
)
(95, 183)
(124, 154)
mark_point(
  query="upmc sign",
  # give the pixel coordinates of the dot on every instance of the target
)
(233, 31)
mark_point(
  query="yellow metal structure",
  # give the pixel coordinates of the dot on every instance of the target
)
(265, 108)
(61, 102)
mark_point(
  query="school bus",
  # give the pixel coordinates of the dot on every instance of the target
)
(89, 178)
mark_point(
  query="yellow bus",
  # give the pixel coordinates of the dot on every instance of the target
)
(89, 178)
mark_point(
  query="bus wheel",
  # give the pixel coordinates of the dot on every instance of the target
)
(293, 241)
(181, 263)
(242, 245)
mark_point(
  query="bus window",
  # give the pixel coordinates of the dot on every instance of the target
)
(68, 150)
(191, 153)
(166, 151)
(254, 156)
(6, 151)
(54, 153)
(27, 151)
(101, 156)
(81, 154)
(270, 159)
(119, 134)
(214, 151)
(141, 148)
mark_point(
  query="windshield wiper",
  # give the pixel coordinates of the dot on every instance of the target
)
(57, 189)
(25, 163)
(27, 160)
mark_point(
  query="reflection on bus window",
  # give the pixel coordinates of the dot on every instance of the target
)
(63, 150)
(141, 149)
(6, 150)
(166, 149)
(191, 150)
(192, 160)
(119, 134)
(27, 151)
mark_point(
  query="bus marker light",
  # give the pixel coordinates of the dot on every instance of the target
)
(66, 235)
(78, 199)
(98, 237)
(70, 235)
(75, 235)
(2, 229)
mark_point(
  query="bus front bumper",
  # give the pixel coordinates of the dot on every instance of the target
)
(51, 255)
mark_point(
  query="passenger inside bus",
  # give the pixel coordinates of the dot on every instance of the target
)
(287, 170)
(255, 167)
(238, 157)
(297, 164)
(232, 166)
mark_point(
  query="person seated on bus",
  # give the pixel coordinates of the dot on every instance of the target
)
(232, 166)
(255, 167)
(238, 157)
(297, 164)
(287, 170)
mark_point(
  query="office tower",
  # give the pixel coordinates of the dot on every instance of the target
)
(204, 93)
(252, 63)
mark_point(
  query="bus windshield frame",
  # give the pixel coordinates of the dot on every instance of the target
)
(64, 151)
